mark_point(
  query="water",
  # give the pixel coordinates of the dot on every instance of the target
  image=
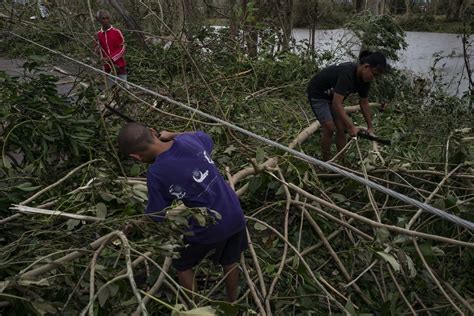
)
(418, 58)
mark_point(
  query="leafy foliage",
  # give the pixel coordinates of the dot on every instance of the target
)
(379, 32)
(264, 94)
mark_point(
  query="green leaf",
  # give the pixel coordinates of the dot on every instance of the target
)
(229, 150)
(140, 194)
(106, 196)
(255, 183)
(101, 210)
(260, 155)
(71, 223)
(200, 219)
(382, 234)
(390, 259)
(338, 197)
(411, 267)
(135, 170)
(103, 297)
(42, 282)
(26, 186)
(180, 220)
(113, 289)
(350, 308)
(259, 227)
(426, 250)
(201, 311)
(130, 301)
(437, 251)
(44, 308)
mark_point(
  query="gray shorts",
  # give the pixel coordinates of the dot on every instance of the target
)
(323, 110)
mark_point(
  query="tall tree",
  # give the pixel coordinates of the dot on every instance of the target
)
(456, 9)
(433, 7)
(284, 12)
(358, 5)
(408, 10)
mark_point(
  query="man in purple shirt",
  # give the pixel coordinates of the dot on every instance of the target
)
(182, 169)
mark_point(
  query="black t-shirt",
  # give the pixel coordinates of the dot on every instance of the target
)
(341, 79)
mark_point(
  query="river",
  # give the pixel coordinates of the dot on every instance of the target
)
(418, 57)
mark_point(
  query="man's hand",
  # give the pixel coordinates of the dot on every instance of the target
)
(166, 136)
(352, 131)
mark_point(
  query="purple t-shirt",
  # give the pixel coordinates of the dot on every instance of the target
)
(186, 172)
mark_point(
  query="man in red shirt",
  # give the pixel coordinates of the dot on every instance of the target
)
(112, 46)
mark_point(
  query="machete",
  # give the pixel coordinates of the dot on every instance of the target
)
(364, 134)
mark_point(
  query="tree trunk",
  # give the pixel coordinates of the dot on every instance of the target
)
(177, 20)
(359, 5)
(251, 32)
(433, 10)
(130, 22)
(461, 5)
(190, 8)
(408, 11)
(452, 13)
(372, 6)
(234, 24)
(382, 7)
(286, 20)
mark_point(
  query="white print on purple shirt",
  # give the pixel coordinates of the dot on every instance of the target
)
(177, 191)
(199, 176)
(209, 160)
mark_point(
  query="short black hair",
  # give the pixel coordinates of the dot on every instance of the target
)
(374, 59)
(134, 138)
(101, 13)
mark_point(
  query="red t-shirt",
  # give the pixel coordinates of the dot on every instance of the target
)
(112, 44)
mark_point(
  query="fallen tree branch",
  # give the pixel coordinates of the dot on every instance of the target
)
(418, 213)
(156, 286)
(59, 262)
(376, 224)
(399, 288)
(69, 174)
(112, 236)
(34, 210)
(252, 287)
(319, 280)
(433, 277)
(285, 247)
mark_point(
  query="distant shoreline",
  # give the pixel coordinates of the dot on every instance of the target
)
(413, 23)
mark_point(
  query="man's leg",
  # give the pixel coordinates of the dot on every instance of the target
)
(186, 279)
(328, 128)
(231, 281)
(190, 256)
(340, 134)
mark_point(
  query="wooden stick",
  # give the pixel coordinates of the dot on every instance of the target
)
(399, 288)
(319, 280)
(418, 213)
(156, 286)
(59, 262)
(436, 281)
(70, 173)
(34, 210)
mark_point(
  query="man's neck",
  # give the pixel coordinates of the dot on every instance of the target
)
(105, 29)
(162, 147)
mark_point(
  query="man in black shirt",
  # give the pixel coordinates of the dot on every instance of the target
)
(328, 89)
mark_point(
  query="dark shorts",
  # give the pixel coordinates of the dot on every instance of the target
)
(322, 109)
(225, 252)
